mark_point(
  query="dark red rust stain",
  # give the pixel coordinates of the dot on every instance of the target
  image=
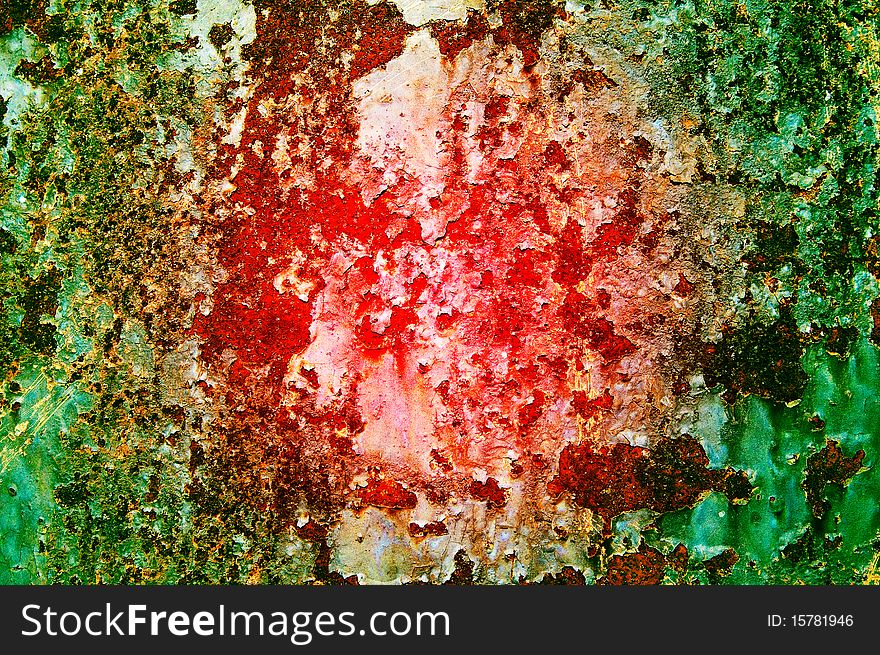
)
(683, 287)
(678, 559)
(300, 469)
(489, 491)
(464, 571)
(578, 313)
(432, 529)
(311, 530)
(39, 72)
(15, 13)
(569, 248)
(875, 316)
(531, 411)
(617, 478)
(647, 566)
(455, 36)
(302, 35)
(523, 22)
(516, 469)
(387, 493)
(759, 359)
(311, 376)
(811, 547)
(828, 466)
(590, 78)
(261, 326)
(566, 576)
(623, 230)
(440, 461)
(721, 564)
(554, 156)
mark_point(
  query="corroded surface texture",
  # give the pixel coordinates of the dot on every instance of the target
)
(515, 291)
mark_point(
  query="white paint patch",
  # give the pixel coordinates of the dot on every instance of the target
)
(17, 93)
(241, 17)
(420, 12)
(401, 110)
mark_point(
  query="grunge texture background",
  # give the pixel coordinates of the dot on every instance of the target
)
(450, 291)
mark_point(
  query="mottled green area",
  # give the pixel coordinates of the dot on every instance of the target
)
(92, 254)
(103, 473)
(785, 96)
(95, 454)
(777, 538)
(42, 406)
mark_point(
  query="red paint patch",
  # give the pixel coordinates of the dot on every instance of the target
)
(389, 494)
(531, 411)
(590, 407)
(454, 37)
(683, 287)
